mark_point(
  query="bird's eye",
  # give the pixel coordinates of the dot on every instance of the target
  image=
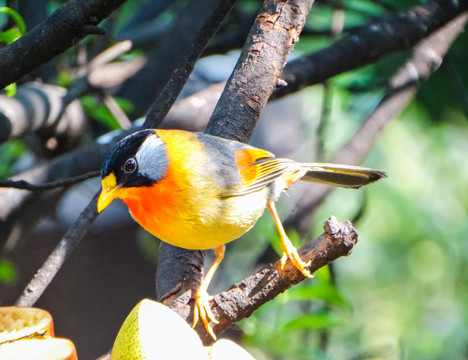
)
(130, 165)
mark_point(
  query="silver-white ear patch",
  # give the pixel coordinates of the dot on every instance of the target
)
(152, 158)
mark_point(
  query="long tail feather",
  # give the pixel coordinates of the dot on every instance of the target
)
(341, 175)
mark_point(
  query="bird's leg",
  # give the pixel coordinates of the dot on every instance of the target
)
(289, 251)
(202, 307)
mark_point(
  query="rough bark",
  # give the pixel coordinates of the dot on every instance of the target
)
(243, 298)
(257, 73)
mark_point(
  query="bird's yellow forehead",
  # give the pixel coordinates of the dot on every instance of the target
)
(110, 181)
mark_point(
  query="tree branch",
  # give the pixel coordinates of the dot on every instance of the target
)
(424, 60)
(54, 262)
(216, 11)
(243, 298)
(256, 74)
(70, 240)
(64, 28)
(20, 210)
(24, 185)
(39, 107)
(372, 42)
(165, 62)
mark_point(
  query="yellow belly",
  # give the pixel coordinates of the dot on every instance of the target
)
(202, 223)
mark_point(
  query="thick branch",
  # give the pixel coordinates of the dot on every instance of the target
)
(259, 68)
(256, 74)
(243, 298)
(372, 42)
(64, 28)
(39, 107)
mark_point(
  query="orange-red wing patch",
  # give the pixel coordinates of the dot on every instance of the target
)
(245, 160)
(258, 168)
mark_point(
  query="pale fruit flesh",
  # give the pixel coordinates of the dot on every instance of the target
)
(153, 331)
(28, 333)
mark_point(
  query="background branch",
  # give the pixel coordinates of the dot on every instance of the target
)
(24, 185)
(216, 11)
(423, 61)
(164, 61)
(20, 210)
(54, 262)
(39, 108)
(372, 42)
(64, 28)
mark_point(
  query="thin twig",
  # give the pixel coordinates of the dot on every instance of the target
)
(117, 111)
(25, 185)
(215, 13)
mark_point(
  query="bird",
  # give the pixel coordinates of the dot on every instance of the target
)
(198, 191)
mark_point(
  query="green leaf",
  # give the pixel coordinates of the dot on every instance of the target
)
(99, 112)
(11, 89)
(322, 320)
(9, 36)
(8, 272)
(325, 292)
(10, 152)
(16, 18)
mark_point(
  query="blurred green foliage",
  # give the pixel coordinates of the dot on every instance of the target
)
(10, 152)
(8, 272)
(9, 35)
(98, 111)
(403, 293)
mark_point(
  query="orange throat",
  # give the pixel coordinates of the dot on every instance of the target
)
(152, 208)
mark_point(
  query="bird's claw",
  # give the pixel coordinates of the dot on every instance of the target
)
(296, 260)
(202, 310)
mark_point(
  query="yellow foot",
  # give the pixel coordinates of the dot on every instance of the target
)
(289, 251)
(203, 311)
(293, 256)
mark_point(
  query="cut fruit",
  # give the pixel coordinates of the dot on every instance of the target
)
(40, 348)
(27, 333)
(153, 331)
(18, 322)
